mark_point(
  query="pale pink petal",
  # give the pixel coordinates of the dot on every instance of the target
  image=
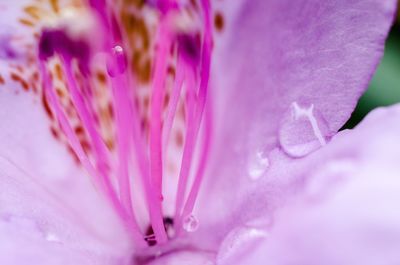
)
(347, 209)
(45, 196)
(22, 242)
(274, 53)
(185, 258)
(274, 59)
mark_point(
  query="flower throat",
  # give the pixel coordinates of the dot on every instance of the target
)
(189, 48)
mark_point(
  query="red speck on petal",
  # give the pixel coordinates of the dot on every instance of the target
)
(15, 77)
(47, 107)
(54, 133)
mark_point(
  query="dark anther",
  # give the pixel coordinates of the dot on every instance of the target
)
(168, 224)
(189, 47)
(150, 237)
(57, 41)
(46, 49)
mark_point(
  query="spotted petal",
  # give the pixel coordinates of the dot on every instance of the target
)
(50, 211)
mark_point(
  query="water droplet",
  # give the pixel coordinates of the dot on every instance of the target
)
(190, 223)
(29, 226)
(117, 63)
(239, 241)
(303, 130)
(257, 165)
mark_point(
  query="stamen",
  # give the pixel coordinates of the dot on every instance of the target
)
(126, 117)
(121, 108)
(150, 238)
(195, 119)
(86, 117)
(190, 48)
(156, 167)
(193, 62)
(156, 107)
(153, 201)
(189, 147)
(189, 205)
(122, 105)
(173, 105)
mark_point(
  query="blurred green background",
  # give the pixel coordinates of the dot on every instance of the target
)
(384, 88)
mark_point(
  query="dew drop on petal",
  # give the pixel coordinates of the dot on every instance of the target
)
(239, 241)
(29, 226)
(190, 223)
(303, 130)
(257, 165)
(117, 63)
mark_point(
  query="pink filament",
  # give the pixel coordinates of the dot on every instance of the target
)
(123, 133)
(206, 63)
(156, 108)
(153, 201)
(195, 117)
(156, 166)
(190, 202)
(86, 117)
(125, 116)
(176, 93)
(100, 148)
(151, 180)
(189, 147)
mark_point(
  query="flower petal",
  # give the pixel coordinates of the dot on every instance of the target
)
(22, 243)
(184, 258)
(274, 53)
(271, 58)
(44, 189)
(348, 211)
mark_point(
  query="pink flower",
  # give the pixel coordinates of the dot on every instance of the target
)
(195, 132)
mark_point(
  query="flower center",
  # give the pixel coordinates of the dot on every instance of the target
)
(175, 66)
